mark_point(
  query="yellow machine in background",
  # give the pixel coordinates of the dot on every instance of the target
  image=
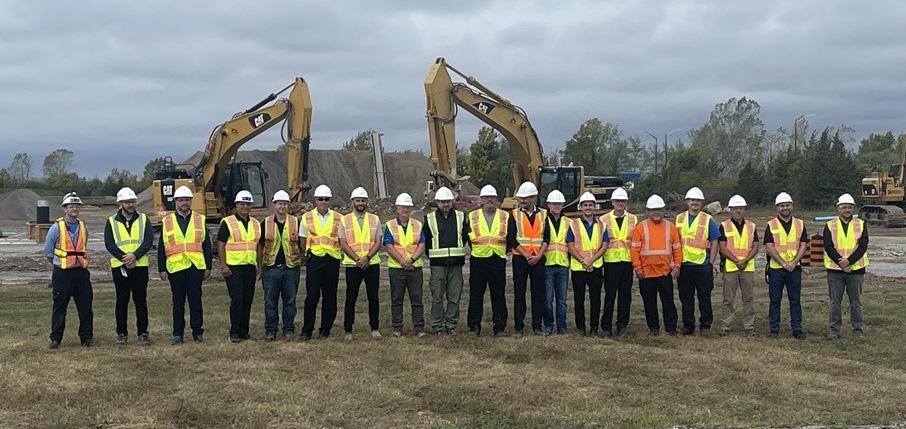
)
(884, 190)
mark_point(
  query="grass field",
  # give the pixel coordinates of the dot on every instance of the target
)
(442, 382)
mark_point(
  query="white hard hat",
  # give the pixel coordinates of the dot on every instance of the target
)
(694, 194)
(846, 199)
(71, 198)
(655, 202)
(586, 196)
(783, 197)
(404, 199)
(323, 191)
(443, 194)
(556, 197)
(737, 201)
(359, 192)
(488, 191)
(619, 194)
(280, 195)
(244, 197)
(183, 192)
(526, 189)
(125, 194)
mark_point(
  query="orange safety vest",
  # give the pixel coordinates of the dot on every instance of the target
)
(669, 245)
(72, 255)
(181, 252)
(530, 235)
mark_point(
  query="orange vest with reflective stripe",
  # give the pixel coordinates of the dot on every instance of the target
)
(618, 246)
(530, 235)
(287, 239)
(72, 255)
(739, 243)
(184, 250)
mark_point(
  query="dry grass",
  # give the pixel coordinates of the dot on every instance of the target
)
(448, 382)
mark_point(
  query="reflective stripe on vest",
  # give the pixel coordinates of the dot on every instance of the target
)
(529, 235)
(323, 237)
(445, 252)
(360, 237)
(287, 239)
(557, 252)
(72, 255)
(786, 244)
(487, 239)
(242, 245)
(405, 241)
(845, 243)
(618, 246)
(585, 244)
(669, 245)
(128, 241)
(184, 250)
(739, 243)
(694, 236)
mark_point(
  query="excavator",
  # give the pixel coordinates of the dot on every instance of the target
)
(884, 191)
(445, 97)
(217, 177)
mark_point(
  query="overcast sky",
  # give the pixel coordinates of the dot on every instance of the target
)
(122, 82)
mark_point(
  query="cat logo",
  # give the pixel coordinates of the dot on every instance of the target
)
(484, 107)
(259, 120)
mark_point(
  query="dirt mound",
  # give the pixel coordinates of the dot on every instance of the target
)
(20, 205)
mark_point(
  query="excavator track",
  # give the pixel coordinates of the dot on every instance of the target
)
(883, 215)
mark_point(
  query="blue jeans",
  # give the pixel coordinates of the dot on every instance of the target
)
(555, 279)
(778, 279)
(280, 282)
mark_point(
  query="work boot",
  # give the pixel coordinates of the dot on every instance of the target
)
(671, 333)
(799, 335)
(304, 337)
(653, 332)
(537, 332)
(375, 334)
(832, 336)
(270, 336)
(121, 339)
(235, 338)
(87, 342)
(245, 337)
(143, 339)
(774, 334)
(347, 336)
(198, 338)
(518, 333)
(54, 345)
(705, 332)
(177, 339)
(323, 335)
(857, 333)
(619, 332)
(594, 333)
(687, 331)
(500, 334)
(724, 332)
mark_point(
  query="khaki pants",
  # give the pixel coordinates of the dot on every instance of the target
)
(744, 281)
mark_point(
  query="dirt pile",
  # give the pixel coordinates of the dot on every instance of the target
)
(20, 204)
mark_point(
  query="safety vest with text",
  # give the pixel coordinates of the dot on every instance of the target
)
(72, 254)
(846, 242)
(323, 237)
(405, 241)
(586, 244)
(618, 245)
(128, 240)
(488, 240)
(275, 239)
(739, 243)
(184, 250)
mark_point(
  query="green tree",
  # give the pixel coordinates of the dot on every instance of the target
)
(489, 160)
(361, 141)
(733, 135)
(20, 168)
(57, 162)
(878, 151)
(117, 179)
(602, 148)
(5, 178)
(831, 170)
(151, 167)
(751, 183)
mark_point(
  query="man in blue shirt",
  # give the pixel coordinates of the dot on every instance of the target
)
(699, 233)
(586, 264)
(405, 244)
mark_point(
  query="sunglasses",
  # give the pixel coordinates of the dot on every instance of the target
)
(323, 199)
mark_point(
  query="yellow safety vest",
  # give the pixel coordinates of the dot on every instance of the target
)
(739, 243)
(72, 255)
(274, 239)
(242, 245)
(557, 253)
(585, 244)
(405, 241)
(488, 240)
(786, 244)
(618, 246)
(845, 243)
(445, 252)
(128, 241)
(360, 237)
(323, 237)
(184, 250)
(530, 235)
(694, 236)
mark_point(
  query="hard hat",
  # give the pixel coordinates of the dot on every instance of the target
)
(846, 199)
(526, 189)
(783, 197)
(243, 197)
(71, 198)
(655, 202)
(323, 191)
(443, 194)
(404, 200)
(587, 196)
(556, 197)
(359, 192)
(280, 195)
(183, 192)
(619, 194)
(125, 194)
(695, 194)
(488, 191)
(737, 201)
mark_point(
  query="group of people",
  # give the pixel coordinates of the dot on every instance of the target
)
(598, 252)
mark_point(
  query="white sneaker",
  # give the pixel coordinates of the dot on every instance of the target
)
(348, 336)
(375, 334)
(397, 334)
(421, 334)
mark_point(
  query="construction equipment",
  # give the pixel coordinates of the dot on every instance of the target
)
(885, 193)
(216, 178)
(444, 97)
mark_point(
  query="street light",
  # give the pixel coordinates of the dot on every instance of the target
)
(796, 128)
(665, 145)
(655, 149)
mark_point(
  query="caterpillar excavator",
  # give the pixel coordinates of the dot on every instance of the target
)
(445, 97)
(217, 177)
(884, 192)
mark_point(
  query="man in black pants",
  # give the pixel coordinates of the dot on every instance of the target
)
(617, 264)
(487, 235)
(699, 233)
(527, 237)
(66, 247)
(360, 239)
(237, 246)
(319, 230)
(128, 236)
(587, 241)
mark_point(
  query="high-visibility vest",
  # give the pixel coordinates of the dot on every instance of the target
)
(274, 239)
(360, 237)
(445, 252)
(184, 250)
(557, 252)
(694, 236)
(845, 242)
(323, 238)
(242, 246)
(669, 245)
(785, 243)
(530, 235)
(585, 244)
(739, 243)
(405, 241)
(128, 241)
(618, 244)
(488, 240)
(72, 255)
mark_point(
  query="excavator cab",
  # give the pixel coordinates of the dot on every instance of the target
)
(568, 179)
(244, 175)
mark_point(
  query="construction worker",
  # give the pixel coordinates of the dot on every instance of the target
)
(360, 240)
(699, 233)
(556, 264)
(320, 229)
(446, 236)
(237, 245)
(66, 247)
(184, 258)
(279, 256)
(587, 241)
(738, 245)
(405, 245)
(527, 238)
(617, 264)
(487, 264)
(845, 258)
(657, 255)
(785, 243)
(128, 236)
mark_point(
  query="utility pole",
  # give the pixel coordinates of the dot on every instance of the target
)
(665, 147)
(655, 150)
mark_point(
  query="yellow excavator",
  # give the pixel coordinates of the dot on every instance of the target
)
(444, 97)
(884, 192)
(216, 178)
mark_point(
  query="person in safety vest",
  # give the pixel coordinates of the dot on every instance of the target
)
(738, 245)
(845, 258)
(487, 262)
(699, 233)
(360, 240)
(785, 243)
(405, 245)
(657, 254)
(619, 224)
(446, 236)
(128, 236)
(66, 247)
(279, 258)
(587, 241)
(320, 232)
(527, 238)
(556, 264)
(237, 245)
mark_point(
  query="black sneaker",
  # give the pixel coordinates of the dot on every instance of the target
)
(143, 339)
(687, 331)
(653, 332)
(704, 332)
(474, 333)
(235, 338)
(323, 335)
(671, 333)
(606, 334)
(87, 342)
(619, 332)
(517, 334)
(594, 333)
(289, 335)
(245, 337)
(500, 334)
(122, 339)
(270, 336)
(177, 339)
(833, 336)
(198, 338)
(54, 345)
(537, 332)
(799, 335)
(774, 334)
(304, 337)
